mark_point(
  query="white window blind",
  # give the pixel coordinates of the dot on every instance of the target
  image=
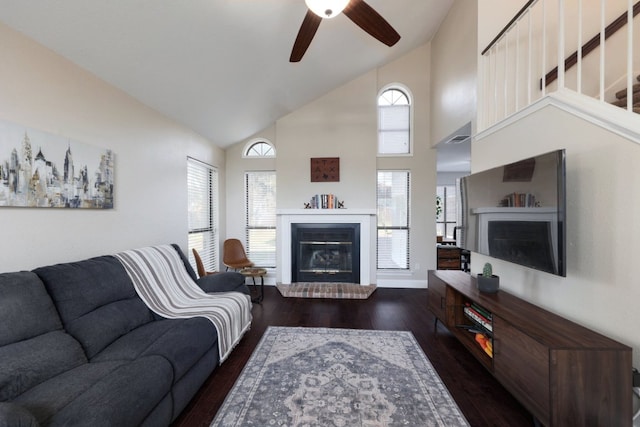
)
(394, 122)
(393, 219)
(202, 198)
(446, 216)
(393, 135)
(261, 217)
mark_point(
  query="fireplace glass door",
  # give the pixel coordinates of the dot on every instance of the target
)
(326, 253)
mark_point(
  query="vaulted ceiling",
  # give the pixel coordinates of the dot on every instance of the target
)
(219, 67)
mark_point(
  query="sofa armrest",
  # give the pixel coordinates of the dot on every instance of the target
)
(228, 281)
(14, 415)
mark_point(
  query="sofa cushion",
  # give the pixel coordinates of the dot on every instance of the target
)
(181, 341)
(13, 415)
(26, 310)
(117, 393)
(229, 281)
(96, 300)
(27, 363)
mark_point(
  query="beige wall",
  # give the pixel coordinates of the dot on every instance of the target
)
(454, 71)
(600, 289)
(41, 90)
(343, 123)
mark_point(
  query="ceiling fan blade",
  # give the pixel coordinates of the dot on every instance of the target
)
(308, 29)
(365, 17)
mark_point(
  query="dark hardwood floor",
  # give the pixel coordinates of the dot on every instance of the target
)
(483, 401)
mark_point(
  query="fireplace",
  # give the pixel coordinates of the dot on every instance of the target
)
(365, 218)
(516, 234)
(523, 242)
(325, 252)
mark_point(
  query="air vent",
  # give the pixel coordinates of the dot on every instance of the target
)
(458, 139)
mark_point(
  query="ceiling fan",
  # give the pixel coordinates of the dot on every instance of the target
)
(358, 11)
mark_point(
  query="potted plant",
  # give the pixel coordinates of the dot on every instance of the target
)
(487, 281)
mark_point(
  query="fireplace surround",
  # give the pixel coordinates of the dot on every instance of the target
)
(364, 217)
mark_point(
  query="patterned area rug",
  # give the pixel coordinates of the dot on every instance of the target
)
(326, 290)
(340, 378)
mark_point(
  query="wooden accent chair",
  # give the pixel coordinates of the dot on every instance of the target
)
(200, 266)
(234, 256)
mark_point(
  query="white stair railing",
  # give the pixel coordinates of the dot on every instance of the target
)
(519, 66)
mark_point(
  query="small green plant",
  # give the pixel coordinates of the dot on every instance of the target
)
(438, 206)
(487, 270)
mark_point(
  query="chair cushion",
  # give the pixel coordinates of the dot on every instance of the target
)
(26, 310)
(96, 300)
(229, 281)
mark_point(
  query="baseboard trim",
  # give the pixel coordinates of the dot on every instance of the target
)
(398, 283)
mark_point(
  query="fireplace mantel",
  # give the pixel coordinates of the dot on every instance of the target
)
(364, 217)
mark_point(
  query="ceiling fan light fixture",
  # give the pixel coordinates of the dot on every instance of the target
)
(327, 8)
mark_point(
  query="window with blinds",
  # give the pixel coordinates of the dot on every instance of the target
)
(446, 215)
(202, 199)
(260, 202)
(394, 122)
(393, 220)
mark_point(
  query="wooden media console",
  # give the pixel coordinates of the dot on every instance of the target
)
(563, 373)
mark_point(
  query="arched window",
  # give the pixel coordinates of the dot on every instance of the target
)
(394, 121)
(259, 148)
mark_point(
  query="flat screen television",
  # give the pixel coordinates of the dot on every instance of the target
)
(516, 212)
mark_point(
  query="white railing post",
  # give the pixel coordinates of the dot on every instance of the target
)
(543, 49)
(602, 47)
(495, 87)
(505, 80)
(579, 66)
(561, 37)
(630, 55)
(516, 80)
(530, 60)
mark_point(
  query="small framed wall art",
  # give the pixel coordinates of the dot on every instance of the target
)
(325, 169)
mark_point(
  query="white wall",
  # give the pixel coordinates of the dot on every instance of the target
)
(454, 71)
(40, 89)
(600, 290)
(343, 123)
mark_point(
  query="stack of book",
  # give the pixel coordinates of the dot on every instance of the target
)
(479, 315)
(324, 201)
(519, 200)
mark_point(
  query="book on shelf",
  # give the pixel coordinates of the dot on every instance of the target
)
(519, 200)
(324, 201)
(481, 310)
(478, 318)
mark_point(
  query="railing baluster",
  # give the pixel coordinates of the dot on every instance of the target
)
(516, 83)
(505, 80)
(543, 48)
(630, 55)
(486, 118)
(530, 64)
(495, 86)
(579, 69)
(602, 47)
(561, 44)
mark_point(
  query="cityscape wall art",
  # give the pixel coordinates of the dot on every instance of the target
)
(42, 170)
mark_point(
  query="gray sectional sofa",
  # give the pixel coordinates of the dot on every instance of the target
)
(79, 347)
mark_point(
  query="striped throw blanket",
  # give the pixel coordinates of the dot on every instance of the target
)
(161, 280)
